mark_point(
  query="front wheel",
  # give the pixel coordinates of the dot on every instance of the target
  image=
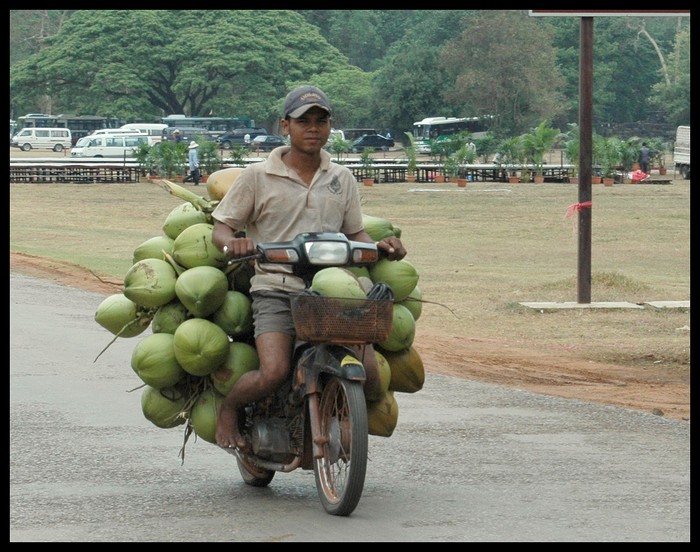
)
(340, 472)
(252, 475)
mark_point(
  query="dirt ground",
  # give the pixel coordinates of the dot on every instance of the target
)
(661, 392)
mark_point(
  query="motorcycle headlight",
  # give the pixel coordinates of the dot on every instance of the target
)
(327, 253)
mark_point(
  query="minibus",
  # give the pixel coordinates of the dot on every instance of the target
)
(109, 145)
(56, 139)
(153, 130)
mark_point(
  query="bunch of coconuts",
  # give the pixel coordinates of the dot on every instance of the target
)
(198, 309)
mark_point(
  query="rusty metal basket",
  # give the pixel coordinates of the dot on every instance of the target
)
(349, 321)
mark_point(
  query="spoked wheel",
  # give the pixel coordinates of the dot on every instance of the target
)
(252, 475)
(340, 472)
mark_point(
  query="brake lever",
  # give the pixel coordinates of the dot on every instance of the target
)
(254, 256)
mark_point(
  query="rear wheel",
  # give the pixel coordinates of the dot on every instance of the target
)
(340, 472)
(58, 148)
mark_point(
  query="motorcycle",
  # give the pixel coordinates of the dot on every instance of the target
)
(318, 418)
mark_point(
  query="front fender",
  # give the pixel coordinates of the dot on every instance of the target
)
(336, 360)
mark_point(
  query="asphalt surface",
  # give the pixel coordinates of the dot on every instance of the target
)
(468, 462)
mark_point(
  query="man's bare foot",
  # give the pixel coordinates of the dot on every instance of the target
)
(228, 434)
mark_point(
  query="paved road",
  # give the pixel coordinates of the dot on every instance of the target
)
(467, 462)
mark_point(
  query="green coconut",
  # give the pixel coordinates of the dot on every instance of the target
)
(194, 247)
(181, 217)
(150, 283)
(121, 316)
(384, 376)
(153, 360)
(168, 317)
(235, 315)
(378, 228)
(337, 282)
(403, 330)
(407, 370)
(203, 414)
(383, 415)
(201, 347)
(241, 358)
(401, 276)
(202, 289)
(163, 407)
(414, 303)
(153, 248)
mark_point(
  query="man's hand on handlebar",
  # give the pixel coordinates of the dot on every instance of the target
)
(239, 247)
(391, 248)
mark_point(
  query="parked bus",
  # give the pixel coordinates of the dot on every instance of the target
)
(433, 128)
(215, 126)
(79, 125)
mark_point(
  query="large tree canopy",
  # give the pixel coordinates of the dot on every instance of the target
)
(382, 68)
(153, 62)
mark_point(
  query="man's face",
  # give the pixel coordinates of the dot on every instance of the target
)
(310, 132)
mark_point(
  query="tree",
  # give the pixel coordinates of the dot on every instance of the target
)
(672, 95)
(154, 62)
(503, 64)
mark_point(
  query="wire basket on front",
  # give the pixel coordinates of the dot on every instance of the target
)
(335, 320)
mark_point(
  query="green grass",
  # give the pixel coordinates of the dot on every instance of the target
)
(479, 251)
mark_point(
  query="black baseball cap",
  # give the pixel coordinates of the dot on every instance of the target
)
(301, 99)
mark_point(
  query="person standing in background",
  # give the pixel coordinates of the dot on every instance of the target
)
(193, 158)
(644, 154)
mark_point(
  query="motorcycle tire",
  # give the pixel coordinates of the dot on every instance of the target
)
(254, 476)
(340, 471)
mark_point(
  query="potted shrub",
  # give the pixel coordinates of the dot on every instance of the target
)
(366, 162)
(339, 146)
(572, 150)
(209, 160)
(537, 143)
(510, 155)
(169, 159)
(658, 154)
(411, 161)
(610, 158)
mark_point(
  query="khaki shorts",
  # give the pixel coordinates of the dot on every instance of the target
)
(272, 312)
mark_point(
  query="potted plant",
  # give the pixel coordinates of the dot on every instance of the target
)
(629, 153)
(366, 162)
(610, 158)
(143, 158)
(537, 143)
(339, 146)
(169, 159)
(572, 150)
(658, 154)
(509, 155)
(451, 166)
(209, 160)
(412, 164)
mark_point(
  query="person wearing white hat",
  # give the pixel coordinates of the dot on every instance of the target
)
(194, 163)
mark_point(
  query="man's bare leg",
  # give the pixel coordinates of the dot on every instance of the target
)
(274, 351)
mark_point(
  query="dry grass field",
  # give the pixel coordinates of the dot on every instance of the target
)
(480, 251)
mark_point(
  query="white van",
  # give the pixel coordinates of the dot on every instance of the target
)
(153, 130)
(101, 131)
(56, 139)
(109, 145)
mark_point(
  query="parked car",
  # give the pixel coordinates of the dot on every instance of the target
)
(267, 142)
(237, 137)
(376, 141)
